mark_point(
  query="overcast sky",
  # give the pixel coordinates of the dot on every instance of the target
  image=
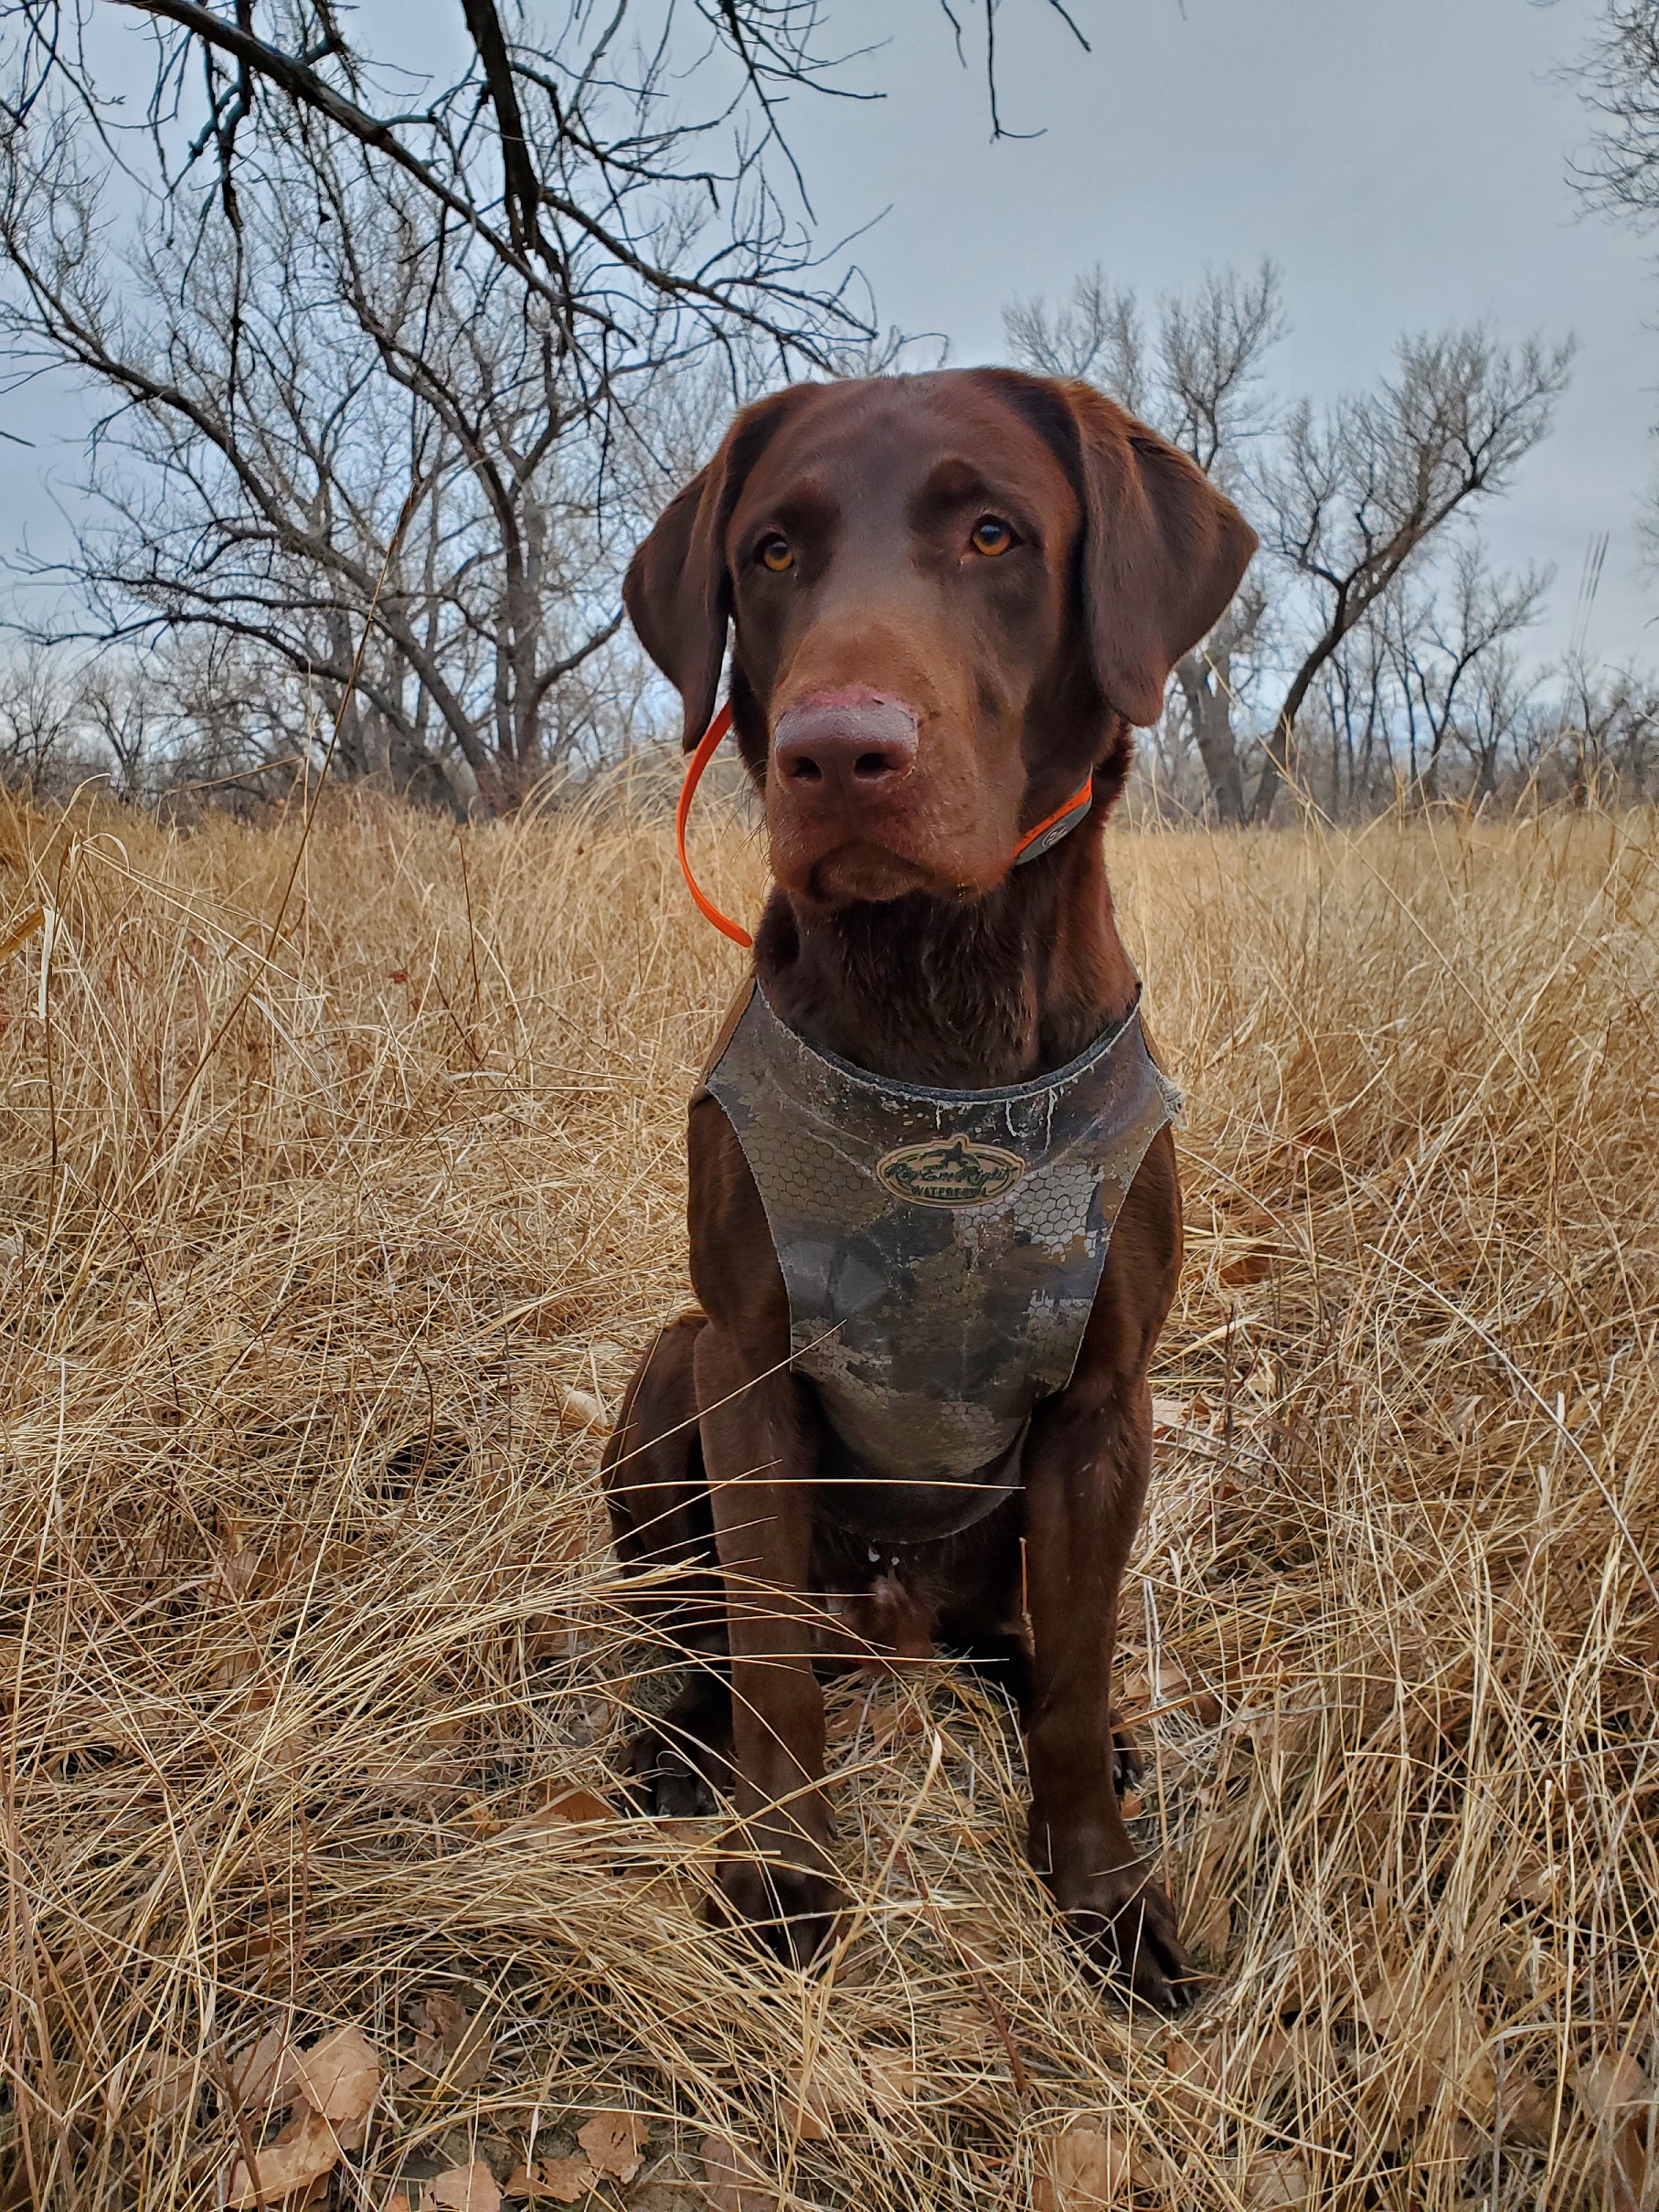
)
(1405, 164)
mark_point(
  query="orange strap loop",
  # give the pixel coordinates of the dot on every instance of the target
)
(1078, 804)
(1067, 815)
(694, 775)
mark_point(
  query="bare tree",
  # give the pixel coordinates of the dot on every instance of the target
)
(1602, 738)
(1450, 652)
(1620, 77)
(569, 158)
(1352, 501)
(389, 389)
(1096, 334)
(1358, 706)
(342, 418)
(1619, 74)
(39, 720)
(571, 153)
(1426, 699)
(1356, 492)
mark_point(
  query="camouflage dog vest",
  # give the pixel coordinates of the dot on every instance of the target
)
(940, 1249)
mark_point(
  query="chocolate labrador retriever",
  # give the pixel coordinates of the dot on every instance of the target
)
(949, 597)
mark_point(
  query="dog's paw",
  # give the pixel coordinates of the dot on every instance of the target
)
(1133, 1940)
(791, 1912)
(665, 1782)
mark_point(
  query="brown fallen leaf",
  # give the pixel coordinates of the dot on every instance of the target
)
(892, 2078)
(1277, 1735)
(810, 2116)
(1533, 1881)
(1273, 2057)
(1208, 1929)
(260, 2075)
(733, 2181)
(1433, 2043)
(566, 2180)
(580, 1410)
(1194, 2085)
(427, 1775)
(690, 1832)
(1251, 1266)
(279, 1741)
(550, 1636)
(451, 2044)
(305, 2151)
(1277, 2182)
(1615, 2088)
(397, 2202)
(575, 1807)
(1083, 2169)
(238, 1561)
(1169, 1689)
(613, 2141)
(338, 2077)
(462, 2189)
(1410, 2092)
(1630, 2168)
(1608, 2084)
(1529, 2116)
(1199, 2063)
(169, 2088)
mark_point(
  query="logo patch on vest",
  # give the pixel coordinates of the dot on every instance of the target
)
(953, 1172)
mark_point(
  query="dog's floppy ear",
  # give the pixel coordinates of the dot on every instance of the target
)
(677, 590)
(1164, 554)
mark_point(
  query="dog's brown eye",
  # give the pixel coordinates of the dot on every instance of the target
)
(991, 536)
(776, 554)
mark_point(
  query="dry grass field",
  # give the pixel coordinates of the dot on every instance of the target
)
(340, 1183)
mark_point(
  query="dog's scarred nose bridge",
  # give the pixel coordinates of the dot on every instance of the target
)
(852, 740)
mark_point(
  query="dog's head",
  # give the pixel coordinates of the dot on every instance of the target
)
(950, 595)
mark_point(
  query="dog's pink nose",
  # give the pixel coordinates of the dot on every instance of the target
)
(848, 742)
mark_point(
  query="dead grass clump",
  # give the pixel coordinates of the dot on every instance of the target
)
(326, 1214)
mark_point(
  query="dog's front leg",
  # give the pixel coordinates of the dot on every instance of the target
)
(1087, 1464)
(761, 1468)
(760, 1457)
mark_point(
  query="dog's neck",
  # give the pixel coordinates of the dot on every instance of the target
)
(967, 994)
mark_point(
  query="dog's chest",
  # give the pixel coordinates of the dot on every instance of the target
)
(940, 1249)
